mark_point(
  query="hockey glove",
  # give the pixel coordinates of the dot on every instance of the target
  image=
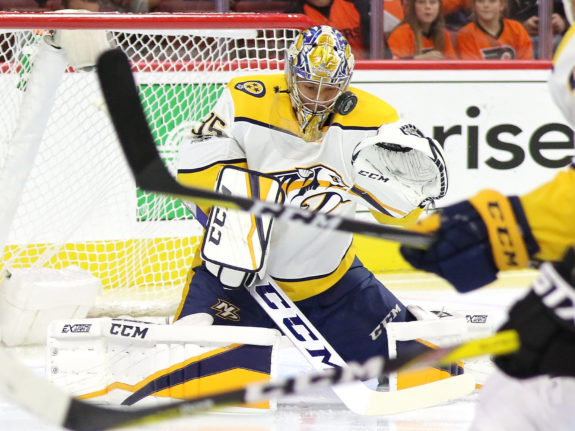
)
(475, 240)
(398, 170)
(545, 321)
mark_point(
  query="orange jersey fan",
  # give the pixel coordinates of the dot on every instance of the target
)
(512, 42)
(401, 43)
(345, 17)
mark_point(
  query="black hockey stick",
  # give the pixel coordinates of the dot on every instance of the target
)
(53, 405)
(150, 173)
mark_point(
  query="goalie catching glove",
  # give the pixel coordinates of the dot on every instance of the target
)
(545, 321)
(399, 169)
(236, 243)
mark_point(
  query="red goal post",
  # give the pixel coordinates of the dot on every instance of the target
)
(67, 197)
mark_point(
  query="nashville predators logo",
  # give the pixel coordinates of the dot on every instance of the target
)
(226, 311)
(253, 88)
(317, 188)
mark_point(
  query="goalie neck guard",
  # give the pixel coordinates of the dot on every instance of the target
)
(319, 62)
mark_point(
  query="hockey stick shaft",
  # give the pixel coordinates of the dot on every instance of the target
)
(56, 407)
(150, 173)
(504, 342)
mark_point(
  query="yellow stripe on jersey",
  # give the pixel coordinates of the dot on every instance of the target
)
(205, 178)
(550, 211)
(370, 111)
(365, 194)
(273, 106)
(300, 290)
(407, 221)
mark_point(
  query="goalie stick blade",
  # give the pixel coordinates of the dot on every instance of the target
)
(150, 173)
(54, 406)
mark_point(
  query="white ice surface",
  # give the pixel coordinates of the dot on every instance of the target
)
(322, 413)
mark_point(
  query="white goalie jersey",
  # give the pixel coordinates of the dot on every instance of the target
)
(253, 125)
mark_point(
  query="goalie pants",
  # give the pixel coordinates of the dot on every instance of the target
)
(351, 315)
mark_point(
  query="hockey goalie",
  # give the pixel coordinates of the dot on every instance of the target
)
(304, 138)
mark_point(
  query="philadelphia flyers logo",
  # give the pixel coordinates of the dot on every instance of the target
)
(499, 53)
(253, 88)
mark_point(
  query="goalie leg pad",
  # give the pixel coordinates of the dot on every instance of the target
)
(236, 243)
(432, 330)
(118, 361)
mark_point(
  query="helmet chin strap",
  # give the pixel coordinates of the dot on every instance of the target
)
(311, 127)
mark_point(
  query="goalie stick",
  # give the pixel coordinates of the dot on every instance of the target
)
(50, 403)
(356, 396)
(151, 174)
(322, 356)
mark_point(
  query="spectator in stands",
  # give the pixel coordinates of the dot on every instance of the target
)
(422, 35)
(350, 17)
(527, 12)
(456, 13)
(393, 14)
(91, 5)
(134, 6)
(491, 36)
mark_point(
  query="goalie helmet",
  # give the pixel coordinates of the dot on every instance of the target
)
(318, 68)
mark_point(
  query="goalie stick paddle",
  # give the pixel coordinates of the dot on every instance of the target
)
(150, 173)
(53, 405)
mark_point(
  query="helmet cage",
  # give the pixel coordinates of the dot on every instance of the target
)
(322, 56)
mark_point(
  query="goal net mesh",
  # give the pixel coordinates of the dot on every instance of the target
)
(73, 200)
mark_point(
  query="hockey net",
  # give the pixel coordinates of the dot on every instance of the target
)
(73, 201)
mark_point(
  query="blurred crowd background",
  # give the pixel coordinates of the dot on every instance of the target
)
(389, 29)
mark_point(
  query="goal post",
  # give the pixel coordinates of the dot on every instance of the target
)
(68, 198)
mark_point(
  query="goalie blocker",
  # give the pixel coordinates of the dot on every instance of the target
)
(236, 243)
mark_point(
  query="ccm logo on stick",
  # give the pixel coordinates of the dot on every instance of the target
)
(296, 324)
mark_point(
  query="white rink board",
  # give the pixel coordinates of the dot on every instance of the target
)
(513, 107)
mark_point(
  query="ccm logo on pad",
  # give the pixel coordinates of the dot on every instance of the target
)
(124, 330)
